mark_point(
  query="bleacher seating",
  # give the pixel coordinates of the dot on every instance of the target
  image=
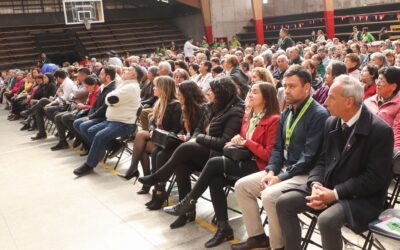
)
(22, 45)
(301, 25)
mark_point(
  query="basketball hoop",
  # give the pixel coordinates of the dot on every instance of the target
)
(88, 23)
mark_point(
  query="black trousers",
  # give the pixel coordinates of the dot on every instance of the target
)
(18, 106)
(159, 157)
(38, 110)
(186, 159)
(64, 121)
(218, 173)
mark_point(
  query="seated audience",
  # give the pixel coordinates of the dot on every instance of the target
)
(368, 78)
(349, 183)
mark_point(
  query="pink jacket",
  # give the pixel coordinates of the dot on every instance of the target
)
(389, 112)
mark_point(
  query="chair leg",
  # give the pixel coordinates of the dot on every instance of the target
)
(172, 182)
(368, 240)
(307, 238)
(120, 156)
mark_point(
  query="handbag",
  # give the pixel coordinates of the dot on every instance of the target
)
(237, 153)
(165, 140)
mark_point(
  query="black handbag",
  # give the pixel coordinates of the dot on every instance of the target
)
(237, 153)
(165, 140)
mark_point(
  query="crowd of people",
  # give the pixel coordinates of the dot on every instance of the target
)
(304, 126)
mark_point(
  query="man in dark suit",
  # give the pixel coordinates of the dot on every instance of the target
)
(349, 183)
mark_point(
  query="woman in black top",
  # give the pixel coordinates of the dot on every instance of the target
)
(227, 111)
(147, 93)
(166, 115)
(193, 119)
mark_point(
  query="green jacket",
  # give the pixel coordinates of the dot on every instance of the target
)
(368, 37)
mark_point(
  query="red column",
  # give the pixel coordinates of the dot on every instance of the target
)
(258, 20)
(329, 18)
(206, 12)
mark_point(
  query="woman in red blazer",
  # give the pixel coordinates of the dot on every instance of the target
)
(258, 132)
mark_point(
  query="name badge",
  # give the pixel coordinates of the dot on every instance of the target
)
(285, 154)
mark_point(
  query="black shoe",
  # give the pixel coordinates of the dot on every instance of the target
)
(158, 201)
(184, 206)
(149, 180)
(145, 190)
(83, 170)
(130, 174)
(25, 127)
(14, 118)
(76, 143)
(224, 233)
(60, 145)
(152, 199)
(183, 219)
(38, 137)
(252, 243)
(26, 113)
(32, 128)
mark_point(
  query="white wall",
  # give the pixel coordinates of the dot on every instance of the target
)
(229, 16)
(288, 7)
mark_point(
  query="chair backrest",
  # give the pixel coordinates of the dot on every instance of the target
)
(396, 163)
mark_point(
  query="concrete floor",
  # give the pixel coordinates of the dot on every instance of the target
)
(43, 206)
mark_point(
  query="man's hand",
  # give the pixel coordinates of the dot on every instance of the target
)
(321, 197)
(45, 107)
(79, 105)
(182, 137)
(269, 180)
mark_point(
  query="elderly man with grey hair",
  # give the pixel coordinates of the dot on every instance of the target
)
(164, 69)
(258, 61)
(348, 185)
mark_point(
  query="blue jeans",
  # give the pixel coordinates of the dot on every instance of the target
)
(101, 136)
(81, 127)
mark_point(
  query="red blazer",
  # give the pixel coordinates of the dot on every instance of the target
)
(263, 138)
(370, 91)
(92, 98)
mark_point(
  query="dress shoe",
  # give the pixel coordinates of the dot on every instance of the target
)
(224, 233)
(152, 198)
(14, 118)
(32, 128)
(83, 170)
(184, 206)
(252, 243)
(183, 219)
(38, 137)
(76, 143)
(144, 190)
(25, 127)
(158, 201)
(130, 174)
(60, 145)
(149, 180)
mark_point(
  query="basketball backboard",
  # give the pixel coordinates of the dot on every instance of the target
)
(77, 11)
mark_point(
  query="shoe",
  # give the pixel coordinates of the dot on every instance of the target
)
(76, 143)
(145, 190)
(14, 118)
(130, 174)
(183, 219)
(252, 243)
(11, 116)
(224, 233)
(152, 198)
(32, 128)
(184, 206)
(158, 201)
(149, 180)
(25, 127)
(38, 137)
(83, 170)
(60, 145)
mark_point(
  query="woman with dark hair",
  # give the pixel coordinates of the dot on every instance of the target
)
(147, 93)
(194, 117)
(166, 115)
(258, 132)
(227, 111)
(194, 71)
(386, 103)
(334, 69)
(181, 65)
(368, 77)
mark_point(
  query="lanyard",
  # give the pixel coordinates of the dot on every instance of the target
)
(290, 129)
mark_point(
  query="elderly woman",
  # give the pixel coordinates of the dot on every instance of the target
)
(386, 102)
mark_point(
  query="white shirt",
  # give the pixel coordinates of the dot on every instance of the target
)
(354, 119)
(67, 89)
(204, 82)
(189, 48)
(355, 74)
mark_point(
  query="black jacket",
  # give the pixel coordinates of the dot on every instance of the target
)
(99, 108)
(172, 118)
(200, 123)
(241, 79)
(45, 91)
(362, 172)
(147, 97)
(285, 43)
(222, 127)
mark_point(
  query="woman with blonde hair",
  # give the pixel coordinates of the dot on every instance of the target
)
(166, 116)
(262, 75)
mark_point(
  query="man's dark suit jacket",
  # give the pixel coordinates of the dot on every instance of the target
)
(362, 172)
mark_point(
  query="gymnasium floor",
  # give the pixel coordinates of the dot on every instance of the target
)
(44, 207)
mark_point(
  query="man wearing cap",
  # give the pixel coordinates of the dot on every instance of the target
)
(114, 59)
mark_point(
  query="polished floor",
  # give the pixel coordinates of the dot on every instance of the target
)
(43, 206)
